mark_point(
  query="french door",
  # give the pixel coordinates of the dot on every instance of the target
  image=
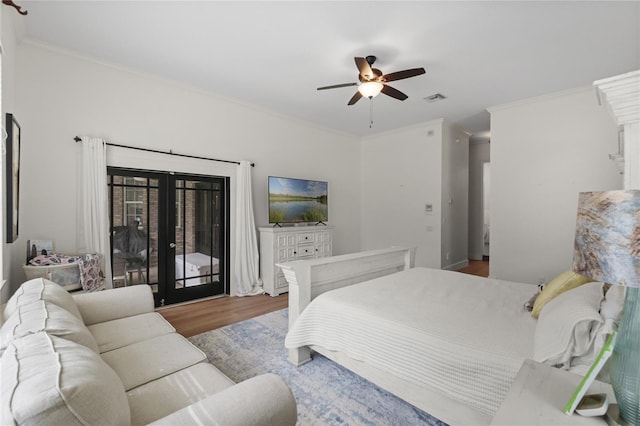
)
(169, 231)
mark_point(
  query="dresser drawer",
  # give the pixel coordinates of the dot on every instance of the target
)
(285, 253)
(323, 237)
(281, 245)
(306, 251)
(323, 250)
(285, 240)
(306, 237)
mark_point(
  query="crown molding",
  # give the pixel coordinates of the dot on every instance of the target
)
(621, 95)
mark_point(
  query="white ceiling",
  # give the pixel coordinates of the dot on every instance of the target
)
(275, 54)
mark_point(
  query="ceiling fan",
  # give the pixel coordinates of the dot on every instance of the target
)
(372, 81)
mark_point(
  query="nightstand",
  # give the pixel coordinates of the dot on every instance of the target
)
(538, 396)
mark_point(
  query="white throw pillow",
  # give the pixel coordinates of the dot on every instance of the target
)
(611, 306)
(568, 325)
(611, 311)
(49, 380)
(45, 316)
(41, 289)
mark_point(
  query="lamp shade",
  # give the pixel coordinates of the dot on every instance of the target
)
(607, 243)
(370, 89)
(607, 249)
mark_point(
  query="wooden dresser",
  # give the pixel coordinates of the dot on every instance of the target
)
(290, 243)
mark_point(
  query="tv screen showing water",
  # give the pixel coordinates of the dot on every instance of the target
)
(297, 200)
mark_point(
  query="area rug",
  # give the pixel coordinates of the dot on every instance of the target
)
(326, 393)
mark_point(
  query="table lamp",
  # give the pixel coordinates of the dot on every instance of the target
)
(607, 249)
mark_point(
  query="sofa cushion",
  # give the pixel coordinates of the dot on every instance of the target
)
(261, 400)
(45, 316)
(121, 332)
(168, 394)
(107, 305)
(41, 289)
(148, 360)
(50, 380)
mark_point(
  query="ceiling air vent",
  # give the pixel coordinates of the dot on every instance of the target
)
(435, 98)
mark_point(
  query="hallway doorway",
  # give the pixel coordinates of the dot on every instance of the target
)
(479, 197)
(486, 209)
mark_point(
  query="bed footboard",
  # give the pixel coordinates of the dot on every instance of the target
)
(309, 278)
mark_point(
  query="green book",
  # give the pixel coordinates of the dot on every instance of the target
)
(597, 365)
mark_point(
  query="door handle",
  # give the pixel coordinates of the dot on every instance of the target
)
(172, 245)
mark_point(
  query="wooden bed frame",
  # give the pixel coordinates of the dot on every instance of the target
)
(309, 278)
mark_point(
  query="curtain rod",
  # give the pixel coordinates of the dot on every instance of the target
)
(77, 139)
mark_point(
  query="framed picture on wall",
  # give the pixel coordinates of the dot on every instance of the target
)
(12, 167)
(38, 247)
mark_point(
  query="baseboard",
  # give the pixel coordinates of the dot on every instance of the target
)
(475, 256)
(457, 265)
(188, 302)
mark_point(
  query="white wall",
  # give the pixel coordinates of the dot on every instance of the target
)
(544, 151)
(479, 153)
(7, 34)
(401, 172)
(63, 95)
(455, 197)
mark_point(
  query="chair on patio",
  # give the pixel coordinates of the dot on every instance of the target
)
(137, 265)
(130, 254)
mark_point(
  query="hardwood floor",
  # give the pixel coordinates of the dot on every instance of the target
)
(477, 267)
(194, 318)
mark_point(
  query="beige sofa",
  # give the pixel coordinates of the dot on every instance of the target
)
(107, 358)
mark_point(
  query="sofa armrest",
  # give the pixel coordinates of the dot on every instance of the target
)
(261, 400)
(115, 303)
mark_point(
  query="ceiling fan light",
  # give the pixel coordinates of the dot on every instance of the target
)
(370, 89)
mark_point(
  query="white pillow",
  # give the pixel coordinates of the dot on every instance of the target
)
(48, 317)
(568, 325)
(611, 311)
(611, 306)
(49, 380)
(41, 289)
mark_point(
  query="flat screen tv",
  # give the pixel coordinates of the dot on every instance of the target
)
(297, 201)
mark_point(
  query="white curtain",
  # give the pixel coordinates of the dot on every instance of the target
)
(246, 253)
(93, 210)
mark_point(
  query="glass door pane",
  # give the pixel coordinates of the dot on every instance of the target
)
(198, 243)
(168, 231)
(134, 213)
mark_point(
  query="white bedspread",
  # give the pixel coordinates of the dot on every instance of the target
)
(463, 335)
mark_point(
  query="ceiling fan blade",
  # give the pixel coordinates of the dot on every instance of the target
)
(394, 93)
(355, 98)
(399, 75)
(335, 86)
(364, 68)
